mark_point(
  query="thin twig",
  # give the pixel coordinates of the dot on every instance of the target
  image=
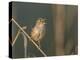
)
(29, 38)
(17, 35)
(15, 38)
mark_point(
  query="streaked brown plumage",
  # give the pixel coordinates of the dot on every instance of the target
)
(38, 30)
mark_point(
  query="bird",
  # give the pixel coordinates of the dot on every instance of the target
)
(38, 31)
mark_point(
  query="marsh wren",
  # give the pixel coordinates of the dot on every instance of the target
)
(38, 31)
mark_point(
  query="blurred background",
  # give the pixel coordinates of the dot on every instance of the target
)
(61, 36)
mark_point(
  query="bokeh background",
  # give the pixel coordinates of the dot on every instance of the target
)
(61, 29)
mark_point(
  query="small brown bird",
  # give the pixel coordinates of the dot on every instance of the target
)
(38, 31)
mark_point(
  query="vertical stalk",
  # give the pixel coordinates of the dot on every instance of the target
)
(59, 29)
(25, 45)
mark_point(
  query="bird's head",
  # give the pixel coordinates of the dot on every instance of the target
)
(41, 21)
